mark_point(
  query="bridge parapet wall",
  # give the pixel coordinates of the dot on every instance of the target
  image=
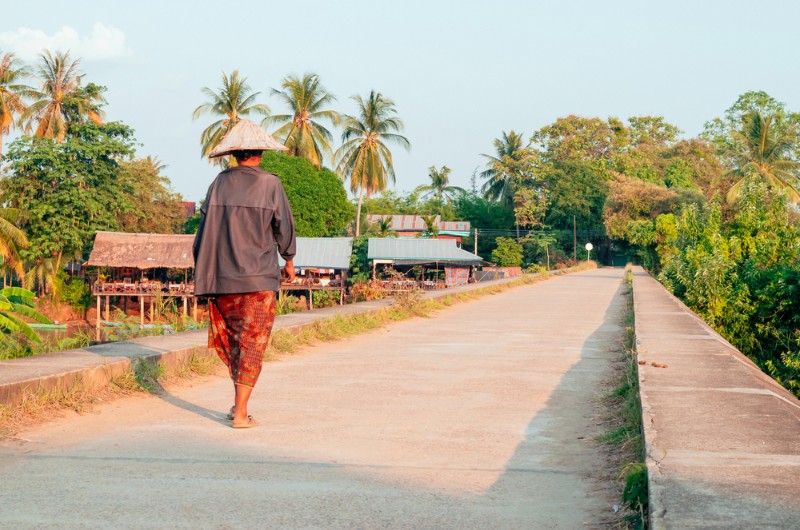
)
(722, 439)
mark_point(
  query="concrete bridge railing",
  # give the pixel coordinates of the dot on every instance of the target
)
(722, 439)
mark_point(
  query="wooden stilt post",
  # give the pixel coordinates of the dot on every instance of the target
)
(141, 312)
(185, 307)
(97, 321)
(108, 308)
(194, 309)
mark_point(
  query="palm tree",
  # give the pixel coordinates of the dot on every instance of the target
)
(301, 131)
(12, 93)
(385, 227)
(431, 228)
(43, 272)
(233, 101)
(364, 157)
(764, 150)
(438, 188)
(61, 99)
(505, 167)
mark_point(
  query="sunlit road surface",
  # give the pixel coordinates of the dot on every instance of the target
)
(482, 416)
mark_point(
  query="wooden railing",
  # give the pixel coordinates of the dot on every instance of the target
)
(143, 287)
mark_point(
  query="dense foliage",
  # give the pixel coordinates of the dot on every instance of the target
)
(317, 196)
(68, 190)
(155, 208)
(508, 253)
(741, 275)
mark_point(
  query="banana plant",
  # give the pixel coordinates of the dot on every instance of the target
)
(16, 302)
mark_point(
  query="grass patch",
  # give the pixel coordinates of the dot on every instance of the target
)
(147, 374)
(625, 425)
(40, 404)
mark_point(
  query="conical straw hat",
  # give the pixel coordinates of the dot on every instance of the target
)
(246, 136)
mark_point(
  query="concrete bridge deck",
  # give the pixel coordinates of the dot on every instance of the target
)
(479, 417)
(483, 416)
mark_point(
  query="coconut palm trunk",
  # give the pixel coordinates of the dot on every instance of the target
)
(358, 210)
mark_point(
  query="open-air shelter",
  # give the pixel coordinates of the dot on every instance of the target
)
(427, 253)
(321, 264)
(139, 265)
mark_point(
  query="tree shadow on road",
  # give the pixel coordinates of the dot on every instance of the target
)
(560, 445)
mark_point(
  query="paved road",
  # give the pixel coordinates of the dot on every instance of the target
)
(480, 417)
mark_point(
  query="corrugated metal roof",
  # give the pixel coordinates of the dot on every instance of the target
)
(432, 250)
(416, 223)
(142, 251)
(322, 253)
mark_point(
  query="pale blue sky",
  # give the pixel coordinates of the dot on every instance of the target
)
(460, 72)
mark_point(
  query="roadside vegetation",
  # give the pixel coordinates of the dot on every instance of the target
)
(624, 425)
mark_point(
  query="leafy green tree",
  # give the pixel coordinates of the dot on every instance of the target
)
(60, 100)
(364, 158)
(483, 214)
(155, 207)
(693, 164)
(302, 131)
(391, 202)
(12, 93)
(644, 149)
(508, 253)
(68, 190)
(764, 150)
(719, 131)
(631, 210)
(576, 138)
(640, 145)
(575, 190)
(233, 100)
(318, 199)
(510, 164)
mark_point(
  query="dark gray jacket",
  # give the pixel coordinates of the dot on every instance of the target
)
(245, 221)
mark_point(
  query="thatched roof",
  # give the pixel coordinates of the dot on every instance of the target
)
(142, 251)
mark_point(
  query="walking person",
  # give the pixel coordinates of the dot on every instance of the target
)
(245, 222)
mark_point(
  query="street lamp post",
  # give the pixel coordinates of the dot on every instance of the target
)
(589, 248)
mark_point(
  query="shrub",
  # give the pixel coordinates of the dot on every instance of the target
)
(508, 253)
(325, 298)
(317, 196)
(369, 290)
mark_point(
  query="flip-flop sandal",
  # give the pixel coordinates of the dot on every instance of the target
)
(245, 424)
(230, 414)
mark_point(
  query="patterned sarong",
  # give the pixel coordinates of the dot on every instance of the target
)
(240, 328)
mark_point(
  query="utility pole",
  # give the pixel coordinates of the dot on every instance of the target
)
(476, 242)
(574, 239)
